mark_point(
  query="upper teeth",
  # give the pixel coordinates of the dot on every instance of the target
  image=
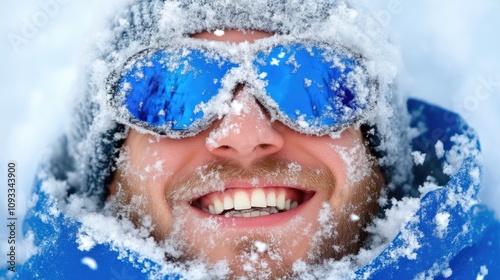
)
(245, 199)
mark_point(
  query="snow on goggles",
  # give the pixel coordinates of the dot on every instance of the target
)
(179, 91)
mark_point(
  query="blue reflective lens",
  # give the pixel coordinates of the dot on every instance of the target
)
(308, 85)
(164, 89)
(311, 89)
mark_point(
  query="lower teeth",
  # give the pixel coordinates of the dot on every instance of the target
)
(253, 212)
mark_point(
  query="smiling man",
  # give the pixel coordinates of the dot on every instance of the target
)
(256, 140)
(247, 178)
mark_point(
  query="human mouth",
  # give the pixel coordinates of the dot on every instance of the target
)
(252, 202)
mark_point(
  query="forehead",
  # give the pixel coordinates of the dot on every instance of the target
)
(232, 35)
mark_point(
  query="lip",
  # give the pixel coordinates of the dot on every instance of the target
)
(308, 199)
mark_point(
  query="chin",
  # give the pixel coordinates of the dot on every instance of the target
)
(263, 252)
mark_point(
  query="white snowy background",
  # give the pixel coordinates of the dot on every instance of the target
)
(451, 50)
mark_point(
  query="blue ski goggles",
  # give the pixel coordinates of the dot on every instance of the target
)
(179, 91)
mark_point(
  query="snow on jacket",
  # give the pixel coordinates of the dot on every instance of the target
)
(451, 235)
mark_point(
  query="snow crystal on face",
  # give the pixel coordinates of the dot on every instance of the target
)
(354, 217)
(327, 227)
(358, 163)
(237, 107)
(325, 214)
(216, 135)
(90, 262)
(294, 167)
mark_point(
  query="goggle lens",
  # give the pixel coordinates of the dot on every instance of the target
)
(310, 89)
(164, 89)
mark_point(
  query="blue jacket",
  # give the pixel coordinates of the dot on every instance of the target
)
(468, 247)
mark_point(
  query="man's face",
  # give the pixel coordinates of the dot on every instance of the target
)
(249, 191)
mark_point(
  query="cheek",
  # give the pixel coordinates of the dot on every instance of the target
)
(141, 177)
(147, 165)
(346, 156)
(356, 161)
(159, 158)
(163, 156)
(143, 198)
(351, 153)
(348, 159)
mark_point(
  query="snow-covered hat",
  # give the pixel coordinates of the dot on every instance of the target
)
(93, 141)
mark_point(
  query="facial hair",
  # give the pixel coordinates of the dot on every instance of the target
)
(249, 261)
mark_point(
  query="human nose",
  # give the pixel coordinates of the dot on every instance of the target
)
(246, 133)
